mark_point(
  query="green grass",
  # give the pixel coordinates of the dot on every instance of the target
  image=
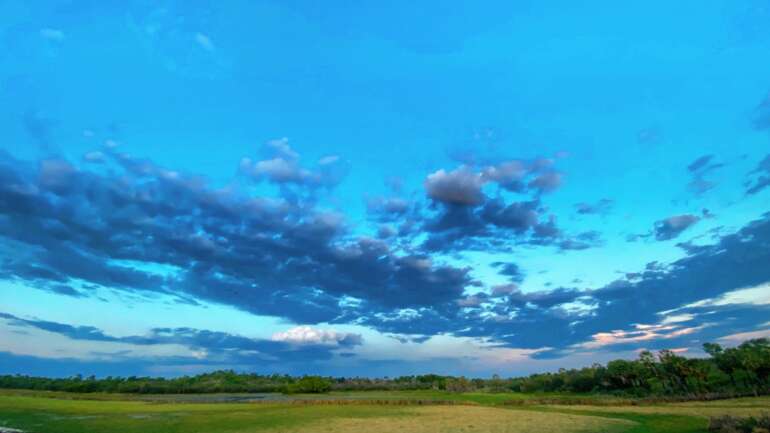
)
(48, 412)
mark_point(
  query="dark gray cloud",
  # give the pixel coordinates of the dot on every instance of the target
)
(78, 229)
(672, 227)
(496, 226)
(573, 316)
(271, 256)
(465, 218)
(511, 270)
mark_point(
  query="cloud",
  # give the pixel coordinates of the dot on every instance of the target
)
(699, 163)
(761, 177)
(546, 182)
(511, 270)
(94, 157)
(639, 334)
(308, 335)
(504, 290)
(459, 187)
(743, 336)
(758, 295)
(574, 317)
(387, 208)
(601, 207)
(282, 167)
(698, 169)
(509, 175)
(672, 227)
(330, 159)
(75, 228)
(264, 255)
(465, 218)
(302, 344)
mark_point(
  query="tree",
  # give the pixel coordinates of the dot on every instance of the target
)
(309, 385)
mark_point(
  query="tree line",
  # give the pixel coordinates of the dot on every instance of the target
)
(744, 369)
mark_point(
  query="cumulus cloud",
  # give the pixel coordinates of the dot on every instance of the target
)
(509, 174)
(309, 335)
(458, 187)
(282, 167)
(293, 260)
(264, 255)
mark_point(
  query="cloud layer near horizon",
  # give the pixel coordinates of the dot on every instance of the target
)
(114, 221)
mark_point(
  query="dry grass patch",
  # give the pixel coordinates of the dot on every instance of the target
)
(465, 419)
(681, 409)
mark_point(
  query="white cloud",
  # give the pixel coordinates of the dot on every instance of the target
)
(677, 318)
(641, 332)
(757, 295)
(308, 335)
(331, 159)
(743, 336)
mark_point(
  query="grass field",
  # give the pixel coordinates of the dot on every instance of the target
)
(370, 412)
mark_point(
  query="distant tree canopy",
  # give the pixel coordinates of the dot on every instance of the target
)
(310, 385)
(744, 369)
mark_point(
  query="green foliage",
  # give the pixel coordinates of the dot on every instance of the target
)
(741, 370)
(309, 385)
(459, 384)
(733, 371)
(732, 424)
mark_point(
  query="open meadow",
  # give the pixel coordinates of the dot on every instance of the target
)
(402, 412)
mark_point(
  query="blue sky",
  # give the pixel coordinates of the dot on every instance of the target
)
(379, 188)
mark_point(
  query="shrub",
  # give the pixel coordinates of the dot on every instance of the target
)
(309, 385)
(731, 424)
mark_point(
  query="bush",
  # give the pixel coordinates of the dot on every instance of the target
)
(731, 424)
(309, 385)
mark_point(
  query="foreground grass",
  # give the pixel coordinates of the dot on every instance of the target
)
(46, 412)
(52, 415)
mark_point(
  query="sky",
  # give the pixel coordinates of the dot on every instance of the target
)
(379, 188)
